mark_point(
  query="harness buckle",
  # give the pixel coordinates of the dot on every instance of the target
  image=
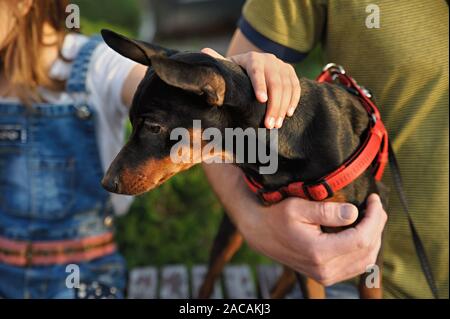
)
(373, 118)
(366, 92)
(333, 68)
(324, 183)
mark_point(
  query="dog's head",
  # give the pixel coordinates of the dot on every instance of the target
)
(177, 89)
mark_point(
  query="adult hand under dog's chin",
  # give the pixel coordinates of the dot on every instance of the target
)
(298, 241)
(290, 231)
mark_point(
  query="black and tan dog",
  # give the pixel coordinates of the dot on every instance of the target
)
(327, 127)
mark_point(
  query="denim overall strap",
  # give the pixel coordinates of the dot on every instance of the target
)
(50, 174)
(77, 79)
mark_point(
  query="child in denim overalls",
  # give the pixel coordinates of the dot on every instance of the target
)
(56, 221)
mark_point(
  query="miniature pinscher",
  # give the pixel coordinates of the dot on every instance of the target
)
(326, 129)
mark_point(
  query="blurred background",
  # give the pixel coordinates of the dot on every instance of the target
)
(175, 223)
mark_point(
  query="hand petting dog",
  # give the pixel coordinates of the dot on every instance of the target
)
(274, 83)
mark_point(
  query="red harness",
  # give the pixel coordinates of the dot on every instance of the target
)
(373, 152)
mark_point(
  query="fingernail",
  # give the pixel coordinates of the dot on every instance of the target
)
(279, 122)
(347, 212)
(374, 197)
(291, 111)
(262, 96)
(271, 122)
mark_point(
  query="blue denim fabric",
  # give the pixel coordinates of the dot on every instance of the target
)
(99, 278)
(50, 189)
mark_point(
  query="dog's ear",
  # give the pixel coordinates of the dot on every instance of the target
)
(199, 79)
(136, 50)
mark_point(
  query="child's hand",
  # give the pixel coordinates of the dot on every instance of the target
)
(274, 82)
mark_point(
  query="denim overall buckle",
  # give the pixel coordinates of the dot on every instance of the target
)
(83, 112)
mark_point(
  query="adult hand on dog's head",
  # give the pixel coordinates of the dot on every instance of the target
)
(274, 82)
(290, 233)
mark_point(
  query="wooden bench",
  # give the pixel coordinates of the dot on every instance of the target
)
(177, 281)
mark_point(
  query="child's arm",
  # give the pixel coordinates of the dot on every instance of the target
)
(131, 83)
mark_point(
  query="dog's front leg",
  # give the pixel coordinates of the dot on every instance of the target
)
(284, 284)
(311, 289)
(227, 242)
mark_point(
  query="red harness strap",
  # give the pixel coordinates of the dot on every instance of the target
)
(373, 152)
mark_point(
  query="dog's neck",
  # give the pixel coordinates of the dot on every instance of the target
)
(325, 130)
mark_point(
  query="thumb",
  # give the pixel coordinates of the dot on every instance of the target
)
(329, 213)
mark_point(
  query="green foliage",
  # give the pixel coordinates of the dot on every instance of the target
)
(120, 15)
(312, 65)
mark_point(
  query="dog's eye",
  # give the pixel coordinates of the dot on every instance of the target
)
(153, 128)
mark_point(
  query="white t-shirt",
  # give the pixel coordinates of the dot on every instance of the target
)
(105, 78)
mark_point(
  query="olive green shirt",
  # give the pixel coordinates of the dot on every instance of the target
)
(405, 64)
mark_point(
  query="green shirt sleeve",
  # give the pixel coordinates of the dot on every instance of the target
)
(296, 25)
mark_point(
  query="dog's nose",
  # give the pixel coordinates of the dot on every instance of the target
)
(111, 184)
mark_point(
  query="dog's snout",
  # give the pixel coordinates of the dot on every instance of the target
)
(111, 184)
